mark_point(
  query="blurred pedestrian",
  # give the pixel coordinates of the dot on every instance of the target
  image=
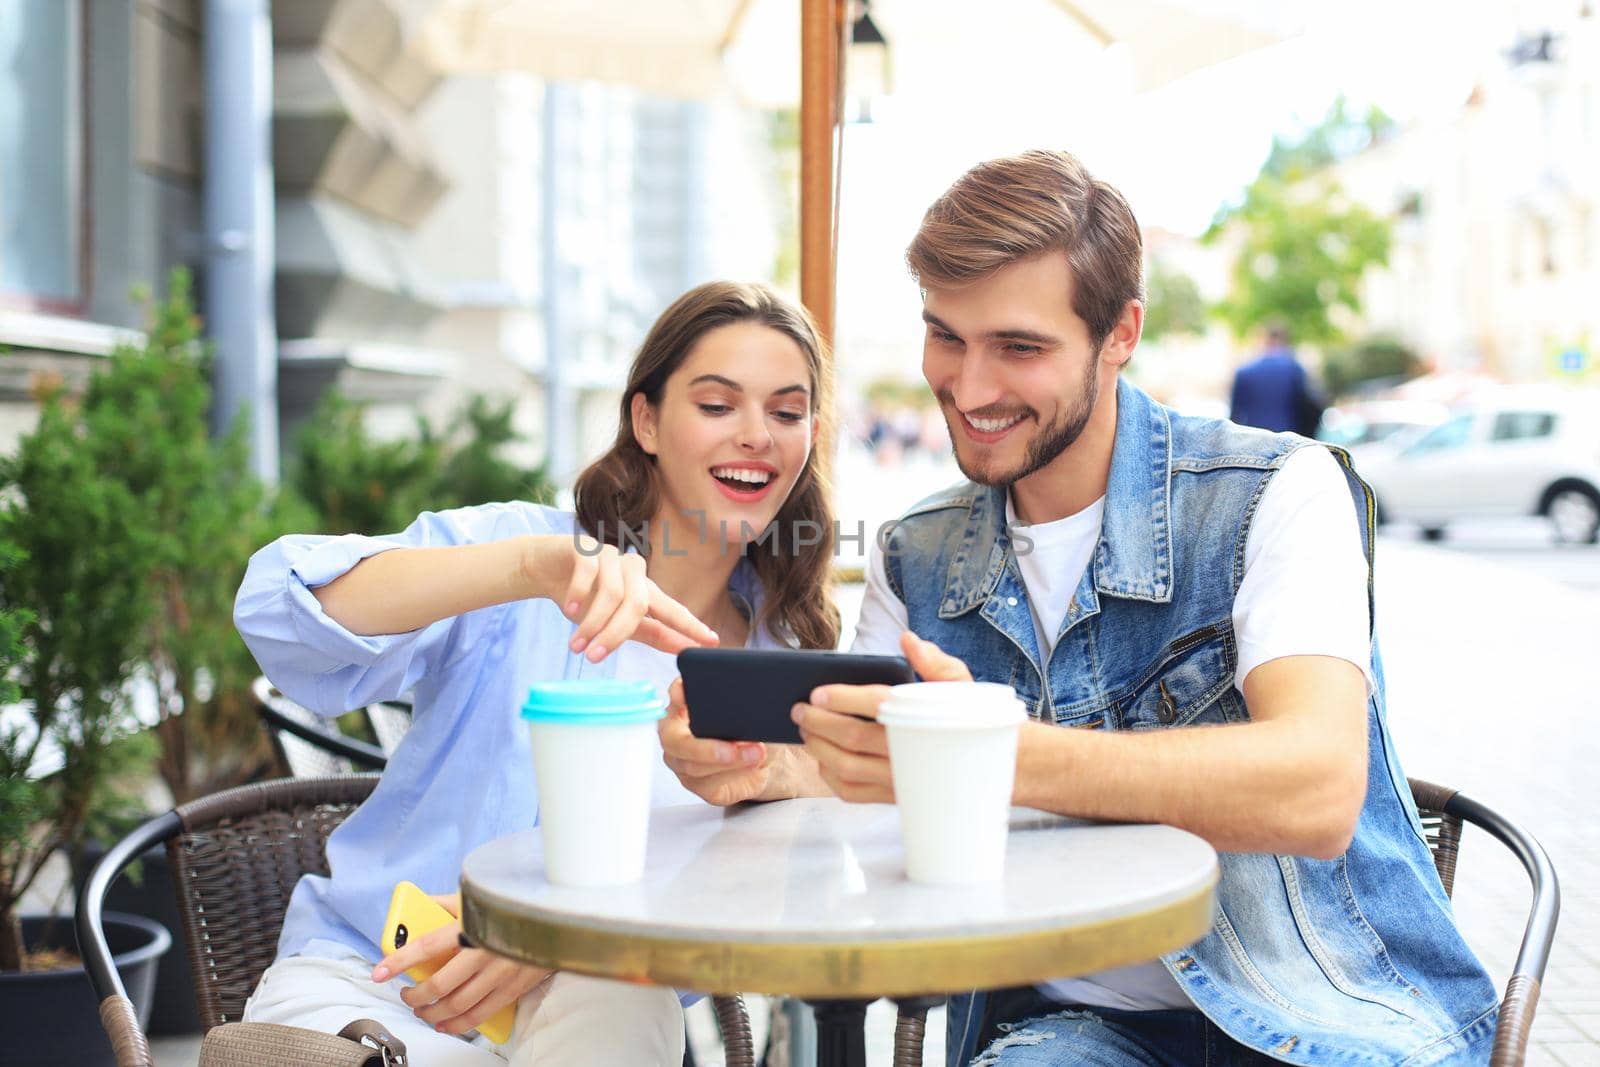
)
(1273, 391)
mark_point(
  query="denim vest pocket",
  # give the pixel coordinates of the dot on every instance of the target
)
(1191, 683)
(1081, 718)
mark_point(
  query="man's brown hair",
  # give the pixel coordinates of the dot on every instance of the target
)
(1011, 209)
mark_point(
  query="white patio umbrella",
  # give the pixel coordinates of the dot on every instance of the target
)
(780, 52)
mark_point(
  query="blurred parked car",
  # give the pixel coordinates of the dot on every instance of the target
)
(1356, 425)
(1510, 452)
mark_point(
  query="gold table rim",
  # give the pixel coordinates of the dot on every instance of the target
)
(873, 968)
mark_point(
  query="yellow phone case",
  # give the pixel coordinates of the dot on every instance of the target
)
(417, 913)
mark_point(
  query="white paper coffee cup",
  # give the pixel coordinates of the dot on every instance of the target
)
(594, 750)
(953, 758)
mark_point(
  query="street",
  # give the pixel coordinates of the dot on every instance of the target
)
(1525, 545)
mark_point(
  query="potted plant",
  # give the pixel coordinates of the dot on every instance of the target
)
(355, 483)
(74, 597)
(145, 425)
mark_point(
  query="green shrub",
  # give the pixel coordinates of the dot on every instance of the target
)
(356, 483)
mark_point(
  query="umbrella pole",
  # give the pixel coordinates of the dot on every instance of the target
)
(821, 30)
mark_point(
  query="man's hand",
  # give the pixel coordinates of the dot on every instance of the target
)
(851, 749)
(731, 772)
(469, 988)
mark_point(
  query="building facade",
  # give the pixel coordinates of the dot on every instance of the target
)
(435, 235)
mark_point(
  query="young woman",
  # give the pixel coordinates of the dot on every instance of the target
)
(466, 609)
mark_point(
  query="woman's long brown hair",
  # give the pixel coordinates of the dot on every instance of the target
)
(613, 496)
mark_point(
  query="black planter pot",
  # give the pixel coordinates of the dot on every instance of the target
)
(176, 1008)
(50, 1018)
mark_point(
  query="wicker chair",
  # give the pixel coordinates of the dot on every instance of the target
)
(236, 856)
(308, 745)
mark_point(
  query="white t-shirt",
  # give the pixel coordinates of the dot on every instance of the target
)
(1304, 548)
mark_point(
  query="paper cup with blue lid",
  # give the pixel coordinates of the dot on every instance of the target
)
(594, 752)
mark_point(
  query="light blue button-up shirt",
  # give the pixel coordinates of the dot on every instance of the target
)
(463, 774)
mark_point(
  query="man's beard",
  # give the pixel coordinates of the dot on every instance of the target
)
(1050, 442)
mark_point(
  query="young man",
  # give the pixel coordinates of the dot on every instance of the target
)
(1191, 600)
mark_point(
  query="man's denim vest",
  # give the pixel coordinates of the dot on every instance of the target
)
(1352, 961)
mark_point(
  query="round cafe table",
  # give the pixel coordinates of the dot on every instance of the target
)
(809, 898)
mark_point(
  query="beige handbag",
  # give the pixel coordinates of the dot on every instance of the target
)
(364, 1043)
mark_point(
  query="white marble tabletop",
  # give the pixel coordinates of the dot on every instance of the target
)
(829, 876)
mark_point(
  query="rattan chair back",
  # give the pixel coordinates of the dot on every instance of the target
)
(236, 861)
(309, 745)
(1441, 830)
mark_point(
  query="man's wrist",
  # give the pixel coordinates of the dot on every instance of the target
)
(1042, 760)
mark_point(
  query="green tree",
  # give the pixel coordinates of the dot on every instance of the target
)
(1174, 304)
(20, 803)
(355, 483)
(146, 424)
(473, 470)
(783, 141)
(1301, 256)
(82, 606)
(1304, 246)
(1339, 135)
(1370, 359)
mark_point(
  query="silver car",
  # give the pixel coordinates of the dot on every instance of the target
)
(1517, 451)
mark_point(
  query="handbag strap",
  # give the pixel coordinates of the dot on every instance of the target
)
(372, 1034)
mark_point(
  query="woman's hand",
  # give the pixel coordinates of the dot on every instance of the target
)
(608, 595)
(718, 772)
(731, 772)
(471, 985)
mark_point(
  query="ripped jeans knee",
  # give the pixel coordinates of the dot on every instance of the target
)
(1020, 1038)
(1073, 1038)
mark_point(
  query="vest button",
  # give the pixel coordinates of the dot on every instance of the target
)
(1011, 601)
(1167, 711)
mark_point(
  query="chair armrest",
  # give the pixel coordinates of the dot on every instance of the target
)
(92, 947)
(1516, 1019)
(121, 1023)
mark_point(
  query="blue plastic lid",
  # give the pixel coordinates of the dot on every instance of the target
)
(597, 703)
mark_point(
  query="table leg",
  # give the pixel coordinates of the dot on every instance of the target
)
(841, 1032)
(911, 1019)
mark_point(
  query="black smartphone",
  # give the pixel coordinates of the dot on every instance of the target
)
(740, 694)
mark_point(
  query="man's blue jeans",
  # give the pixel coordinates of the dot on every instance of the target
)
(1069, 1036)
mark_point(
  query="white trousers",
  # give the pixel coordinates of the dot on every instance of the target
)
(571, 1019)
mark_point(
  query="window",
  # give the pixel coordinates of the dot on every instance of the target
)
(1452, 433)
(1522, 425)
(41, 149)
